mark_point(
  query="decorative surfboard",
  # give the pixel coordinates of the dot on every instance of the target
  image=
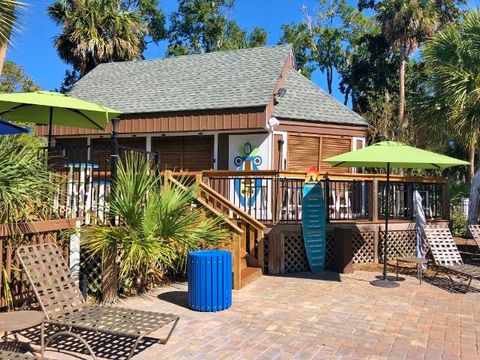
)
(314, 224)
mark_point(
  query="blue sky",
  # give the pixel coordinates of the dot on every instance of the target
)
(33, 48)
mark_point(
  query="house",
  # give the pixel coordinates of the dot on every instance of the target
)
(215, 114)
(232, 110)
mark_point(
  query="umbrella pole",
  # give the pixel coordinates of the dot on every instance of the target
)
(50, 123)
(387, 215)
(384, 282)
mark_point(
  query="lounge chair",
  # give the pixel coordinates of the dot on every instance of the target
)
(446, 255)
(10, 355)
(64, 306)
(475, 231)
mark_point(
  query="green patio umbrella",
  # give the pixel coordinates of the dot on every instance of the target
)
(391, 154)
(51, 108)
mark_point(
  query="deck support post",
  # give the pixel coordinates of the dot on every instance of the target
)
(237, 271)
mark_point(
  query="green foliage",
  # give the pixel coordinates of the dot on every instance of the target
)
(201, 26)
(299, 36)
(71, 77)
(450, 108)
(406, 23)
(459, 190)
(95, 32)
(9, 18)
(26, 190)
(459, 222)
(158, 227)
(14, 79)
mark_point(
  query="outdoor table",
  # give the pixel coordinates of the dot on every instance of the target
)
(414, 260)
(13, 321)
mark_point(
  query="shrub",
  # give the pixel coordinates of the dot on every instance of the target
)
(158, 227)
(459, 221)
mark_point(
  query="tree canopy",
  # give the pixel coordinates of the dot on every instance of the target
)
(95, 31)
(200, 26)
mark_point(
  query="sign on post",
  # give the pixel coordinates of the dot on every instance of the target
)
(313, 222)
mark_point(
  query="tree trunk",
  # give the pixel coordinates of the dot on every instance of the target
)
(3, 54)
(109, 276)
(347, 94)
(329, 79)
(401, 95)
(471, 167)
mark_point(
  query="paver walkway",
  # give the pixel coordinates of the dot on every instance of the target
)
(325, 317)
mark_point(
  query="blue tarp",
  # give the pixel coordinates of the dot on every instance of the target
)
(7, 128)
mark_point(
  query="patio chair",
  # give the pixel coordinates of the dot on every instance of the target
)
(475, 231)
(65, 307)
(447, 257)
(10, 355)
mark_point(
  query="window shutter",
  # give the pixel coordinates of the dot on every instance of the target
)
(334, 146)
(303, 152)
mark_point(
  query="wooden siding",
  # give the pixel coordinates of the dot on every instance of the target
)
(308, 150)
(204, 120)
(191, 153)
(310, 127)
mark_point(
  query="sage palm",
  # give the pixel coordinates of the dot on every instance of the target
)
(158, 226)
(25, 188)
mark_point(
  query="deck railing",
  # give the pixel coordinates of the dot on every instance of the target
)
(84, 175)
(277, 196)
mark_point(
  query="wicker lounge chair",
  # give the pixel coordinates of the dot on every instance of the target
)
(65, 308)
(447, 257)
(10, 355)
(475, 231)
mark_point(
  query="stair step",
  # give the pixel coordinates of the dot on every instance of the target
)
(250, 274)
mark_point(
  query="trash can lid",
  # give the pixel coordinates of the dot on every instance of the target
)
(208, 252)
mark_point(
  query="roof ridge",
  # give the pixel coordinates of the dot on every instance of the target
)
(206, 54)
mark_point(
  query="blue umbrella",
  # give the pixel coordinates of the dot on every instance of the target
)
(7, 128)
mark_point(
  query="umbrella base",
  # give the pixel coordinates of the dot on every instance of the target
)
(385, 283)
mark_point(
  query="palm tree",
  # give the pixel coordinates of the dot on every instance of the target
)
(9, 13)
(96, 31)
(406, 24)
(452, 108)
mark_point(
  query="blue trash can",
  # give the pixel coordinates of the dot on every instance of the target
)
(209, 280)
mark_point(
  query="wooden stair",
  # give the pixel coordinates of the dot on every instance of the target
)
(249, 275)
(247, 262)
(249, 270)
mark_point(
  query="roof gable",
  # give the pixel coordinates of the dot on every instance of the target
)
(219, 80)
(306, 101)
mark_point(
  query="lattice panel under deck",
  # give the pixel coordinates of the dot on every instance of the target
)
(295, 256)
(91, 268)
(329, 250)
(400, 243)
(265, 255)
(363, 244)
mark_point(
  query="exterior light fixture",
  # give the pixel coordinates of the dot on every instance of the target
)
(247, 148)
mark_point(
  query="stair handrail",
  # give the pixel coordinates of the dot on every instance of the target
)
(208, 207)
(242, 214)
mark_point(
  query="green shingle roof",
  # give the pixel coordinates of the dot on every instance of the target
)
(305, 101)
(219, 80)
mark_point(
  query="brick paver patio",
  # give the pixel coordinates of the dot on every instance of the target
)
(324, 317)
